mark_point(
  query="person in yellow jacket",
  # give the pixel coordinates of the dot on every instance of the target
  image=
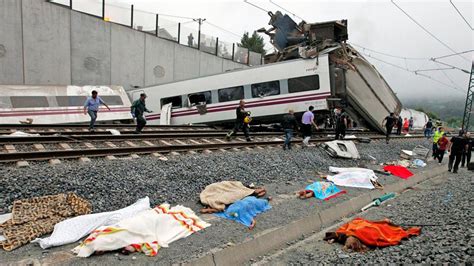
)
(437, 135)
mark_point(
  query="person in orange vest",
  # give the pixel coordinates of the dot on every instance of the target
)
(406, 125)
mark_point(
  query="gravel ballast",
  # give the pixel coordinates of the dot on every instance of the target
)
(443, 204)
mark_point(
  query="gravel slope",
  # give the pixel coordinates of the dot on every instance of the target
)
(439, 201)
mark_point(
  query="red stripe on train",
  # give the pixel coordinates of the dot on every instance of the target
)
(57, 112)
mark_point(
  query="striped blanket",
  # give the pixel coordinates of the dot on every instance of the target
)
(146, 232)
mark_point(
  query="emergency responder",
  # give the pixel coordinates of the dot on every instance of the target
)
(137, 109)
(242, 121)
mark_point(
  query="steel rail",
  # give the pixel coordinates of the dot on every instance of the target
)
(162, 149)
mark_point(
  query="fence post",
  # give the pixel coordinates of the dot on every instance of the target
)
(131, 18)
(179, 32)
(199, 38)
(103, 9)
(217, 46)
(248, 57)
(233, 52)
(156, 26)
(70, 4)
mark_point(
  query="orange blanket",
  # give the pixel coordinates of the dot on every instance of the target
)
(377, 233)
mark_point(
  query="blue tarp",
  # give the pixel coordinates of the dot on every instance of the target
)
(244, 210)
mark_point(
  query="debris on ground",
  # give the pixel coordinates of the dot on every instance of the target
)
(73, 229)
(245, 210)
(418, 163)
(34, 217)
(367, 233)
(354, 177)
(378, 201)
(114, 132)
(398, 170)
(342, 149)
(320, 190)
(145, 232)
(23, 134)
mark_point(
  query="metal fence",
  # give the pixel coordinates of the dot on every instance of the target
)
(187, 33)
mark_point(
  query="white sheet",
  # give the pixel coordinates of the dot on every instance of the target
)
(72, 230)
(352, 177)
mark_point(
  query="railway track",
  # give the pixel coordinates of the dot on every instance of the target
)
(110, 146)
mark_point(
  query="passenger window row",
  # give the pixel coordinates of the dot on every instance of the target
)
(53, 101)
(258, 90)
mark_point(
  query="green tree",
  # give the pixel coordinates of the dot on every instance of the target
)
(254, 43)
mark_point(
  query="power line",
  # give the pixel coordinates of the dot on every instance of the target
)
(390, 55)
(254, 5)
(414, 72)
(427, 31)
(463, 70)
(219, 27)
(447, 76)
(294, 15)
(434, 69)
(459, 12)
(468, 51)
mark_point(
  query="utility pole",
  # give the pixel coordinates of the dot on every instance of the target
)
(200, 21)
(469, 98)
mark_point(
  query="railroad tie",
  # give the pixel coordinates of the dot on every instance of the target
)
(192, 152)
(22, 164)
(160, 157)
(222, 150)
(54, 161)
(131, 144)
(180, 142)
(65, 146)
(110, 144)
(84, 160)
(10, 148)
(240, 139)
(134, 156)
(220, 141)
(110, 157)
(89, 145)
(235, 149)
(165, 143)
(248, 148)
(194, 141)
(173, 153)
(148, 143)
(207, 151)
(207, 141)
(39, 147)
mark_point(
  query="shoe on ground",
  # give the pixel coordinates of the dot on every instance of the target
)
(249, 139)
(439, 163)
(449, 170)
(455, 172)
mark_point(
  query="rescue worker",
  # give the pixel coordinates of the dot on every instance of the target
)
(91, 107)
(466, 156)
(428, 128)
(307, 121)
(438, 133)
(137, 109)
(389, 121)
(457, 146)
(289, 124)
(442, 146)
(406, 126)
(241, 122)
(410, 123)
(341, 124)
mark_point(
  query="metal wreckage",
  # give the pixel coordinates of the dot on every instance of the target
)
(356, 85)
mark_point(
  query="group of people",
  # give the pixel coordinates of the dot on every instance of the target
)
(138, 108)
(459, 148)
(290, 124)
(396, 121)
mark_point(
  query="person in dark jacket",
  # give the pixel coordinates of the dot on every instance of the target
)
(341, 124)
(466, 156)
(240, 121)
(457, 146)
(389, 121)
(137, 109)
(289, 124)
(399, 124)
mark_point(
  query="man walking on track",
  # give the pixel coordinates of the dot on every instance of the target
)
(389, 121)
(241, 122)
(289, 124)
(428, 128)
(466, 156)
(307, 121)
(438, 133)
(91, 107)
(442, 146)
(138, 109)
(341, 124)
(456, 148)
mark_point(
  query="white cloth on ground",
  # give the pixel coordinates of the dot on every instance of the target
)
(145, 232)
(353, 177)
(72, 230)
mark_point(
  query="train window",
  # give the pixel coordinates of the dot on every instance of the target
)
(29, 101)
(265, 89)
(199, 98)
(175, 100)
(112, 99)
(231, 94)
(306, 83)
(65, 101)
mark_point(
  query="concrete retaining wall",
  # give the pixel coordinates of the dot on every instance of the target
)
(43, 43)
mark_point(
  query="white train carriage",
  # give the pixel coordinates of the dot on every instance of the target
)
(59, 104)
(269, 91)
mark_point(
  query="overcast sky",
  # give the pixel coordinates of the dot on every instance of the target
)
(377, 25)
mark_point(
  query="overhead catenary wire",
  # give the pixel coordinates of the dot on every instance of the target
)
(254, 5)
(293, 14)
(460, 14)
(447, 76)
(463, 70)
(449, 55)
(225, 30)
(426, 30)
(414, 72)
